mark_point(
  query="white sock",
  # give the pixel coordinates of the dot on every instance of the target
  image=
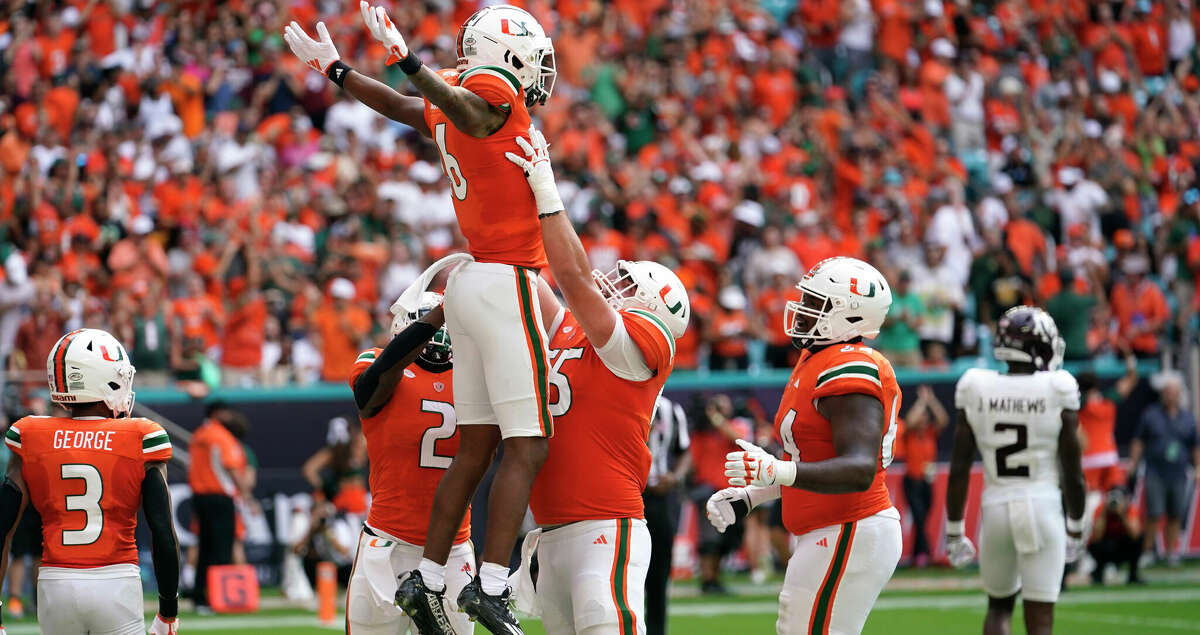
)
(493, 578)
(433, 574)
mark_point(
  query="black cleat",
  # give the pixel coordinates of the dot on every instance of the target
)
(489, 610)
(426, 608)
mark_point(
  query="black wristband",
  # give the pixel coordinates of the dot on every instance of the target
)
(168, 607)
(410, 64)
(337, 72)
(549, 214)
(740, 509)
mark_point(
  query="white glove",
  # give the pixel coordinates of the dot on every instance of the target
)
(756, 466)
(720, 507)
(382, 29)
(2, 630)
(318, 55)
(538, 171)
(960, 551)
(1075, 548)
(160, 626)
(410, 300)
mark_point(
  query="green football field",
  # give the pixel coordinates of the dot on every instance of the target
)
(938, 603)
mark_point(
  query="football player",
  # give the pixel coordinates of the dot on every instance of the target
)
(1023, 422)
(611, 353)
(837, 422)
(406, 403)
(87, 474)
(473, 114)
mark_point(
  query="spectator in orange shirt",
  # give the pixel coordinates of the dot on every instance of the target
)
(137, 259)
(340, 327)
(216, 475)
(198, 315)
(1140, 308)
(918, 445)
(1097, 422)
(730, 328)
(245, 327)
(769, 310)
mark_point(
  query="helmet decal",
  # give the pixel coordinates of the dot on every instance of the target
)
(513, 27)
(107, 356)
(662, 293)
(854, 289)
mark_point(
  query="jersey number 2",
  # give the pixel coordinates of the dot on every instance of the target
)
(430, 458)
(458, 183)
(88, 502)
(1002, 453)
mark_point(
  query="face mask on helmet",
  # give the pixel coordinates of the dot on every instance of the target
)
(437, 350)
(650, 286)
(510, 39)
(807, 320)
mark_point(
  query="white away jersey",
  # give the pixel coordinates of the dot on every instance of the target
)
(1016, 420)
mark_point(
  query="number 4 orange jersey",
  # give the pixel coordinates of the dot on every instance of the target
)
(84, 476)
(495, 209)
(841, 369)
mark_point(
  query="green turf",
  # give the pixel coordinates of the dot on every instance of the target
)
(1170, 604)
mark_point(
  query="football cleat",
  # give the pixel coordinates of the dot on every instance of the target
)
(489, 610)
(426, 608)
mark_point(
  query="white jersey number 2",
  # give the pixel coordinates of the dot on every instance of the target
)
(88, 502)
(430, 458)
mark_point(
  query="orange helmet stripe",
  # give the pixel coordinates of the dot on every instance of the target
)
(60, 356)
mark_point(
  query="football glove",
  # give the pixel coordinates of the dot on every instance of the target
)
(538, 171)
(960, 551)
(755, 466)
(318, 55)
(162, 626)
(382, 29)
(727, 506)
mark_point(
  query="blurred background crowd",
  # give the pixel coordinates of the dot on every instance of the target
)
(170, 172)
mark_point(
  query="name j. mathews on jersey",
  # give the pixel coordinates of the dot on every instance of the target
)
(1017, 405)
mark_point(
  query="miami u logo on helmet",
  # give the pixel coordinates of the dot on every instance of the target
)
(854, 289)
(108, 356)
(662, 293)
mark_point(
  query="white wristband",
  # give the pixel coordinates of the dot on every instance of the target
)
(1075, 525)
(955, 527)
(547, 199)
(785, 472)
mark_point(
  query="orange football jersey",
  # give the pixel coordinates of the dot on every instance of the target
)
(496, 211)
(599, 461)
(410, 443)
(808, 436)
(85, 478)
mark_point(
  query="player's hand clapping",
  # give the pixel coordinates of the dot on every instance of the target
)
(727, 506)
(318, 55)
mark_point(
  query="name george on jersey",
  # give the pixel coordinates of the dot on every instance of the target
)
(1017, 405)
(83, 440)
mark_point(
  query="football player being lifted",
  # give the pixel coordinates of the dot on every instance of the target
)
(1023, 423)
(474, 113)
(837, 422)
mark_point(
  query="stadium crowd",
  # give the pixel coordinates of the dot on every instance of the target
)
(170, 173)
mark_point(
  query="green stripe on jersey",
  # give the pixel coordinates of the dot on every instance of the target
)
(503, 72)
(848, 369)
(662, 326)
(155, 440)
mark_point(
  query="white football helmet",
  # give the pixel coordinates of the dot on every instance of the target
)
(842, 299)
(647, 285)
(90, 365)
(437, 350)
(509, 41)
